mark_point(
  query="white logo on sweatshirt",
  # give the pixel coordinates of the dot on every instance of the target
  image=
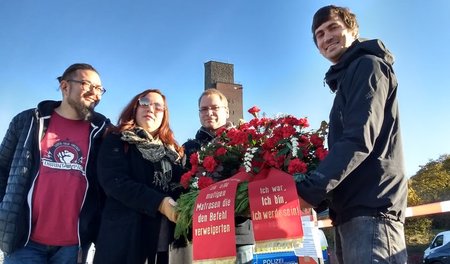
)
(64, 156)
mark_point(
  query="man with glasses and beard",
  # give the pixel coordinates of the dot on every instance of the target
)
(50, 199)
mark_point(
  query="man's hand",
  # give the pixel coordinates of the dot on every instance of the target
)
(303, 203)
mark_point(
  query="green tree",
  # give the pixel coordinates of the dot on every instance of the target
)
(430, 184)
(417, 229)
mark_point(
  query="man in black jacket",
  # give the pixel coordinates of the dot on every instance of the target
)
(50, 199)
(362, 178)
(213, 113)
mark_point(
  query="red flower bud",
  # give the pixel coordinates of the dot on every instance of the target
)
(254, 111)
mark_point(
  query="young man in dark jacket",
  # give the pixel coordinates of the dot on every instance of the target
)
(50, 199)
(213, 113)
(362, 178)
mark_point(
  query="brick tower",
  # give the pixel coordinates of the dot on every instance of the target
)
(220, 76)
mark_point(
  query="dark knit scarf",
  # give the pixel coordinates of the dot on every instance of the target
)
(154, 150)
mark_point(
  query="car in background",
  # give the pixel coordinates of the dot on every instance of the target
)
(439, 256)
(438, 252)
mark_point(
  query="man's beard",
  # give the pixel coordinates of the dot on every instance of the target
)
(84, 112)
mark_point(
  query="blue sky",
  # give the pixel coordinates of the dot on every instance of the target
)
(142, 44)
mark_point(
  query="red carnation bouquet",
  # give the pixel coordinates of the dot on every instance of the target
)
(284, 142)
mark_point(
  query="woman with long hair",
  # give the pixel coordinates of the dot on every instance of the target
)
(139, 169)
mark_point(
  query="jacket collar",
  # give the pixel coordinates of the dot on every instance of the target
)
(46, 108)
(359, 47)
(204, 135)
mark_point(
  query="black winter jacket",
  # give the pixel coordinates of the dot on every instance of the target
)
(19, 167)
(363, 174)
(202, 138)
(131, 228)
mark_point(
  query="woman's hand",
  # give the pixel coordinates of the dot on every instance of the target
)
(167, 208)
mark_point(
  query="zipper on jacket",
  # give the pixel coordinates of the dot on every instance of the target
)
(40, 123)
(92, 134)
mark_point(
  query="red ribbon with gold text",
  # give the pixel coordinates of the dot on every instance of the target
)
(275, 211)
(214, 239)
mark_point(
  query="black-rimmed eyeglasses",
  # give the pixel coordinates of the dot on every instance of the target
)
(88, 86)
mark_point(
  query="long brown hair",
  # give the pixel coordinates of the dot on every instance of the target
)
(127, 120)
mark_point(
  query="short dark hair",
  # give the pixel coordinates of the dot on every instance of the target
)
(325, 13)
(73, 68)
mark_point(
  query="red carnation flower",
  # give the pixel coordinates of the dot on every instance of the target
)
(269, 159)
(221, 130)
(287, 131)
(254, 111)
(186, 179)
(297, 166)
(221, 151)
(321, 153)
(209, 163)
(316, 140)
(303, 122)
(204, 182)
(193, 159)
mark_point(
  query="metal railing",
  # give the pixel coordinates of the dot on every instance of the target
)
(418, 210)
